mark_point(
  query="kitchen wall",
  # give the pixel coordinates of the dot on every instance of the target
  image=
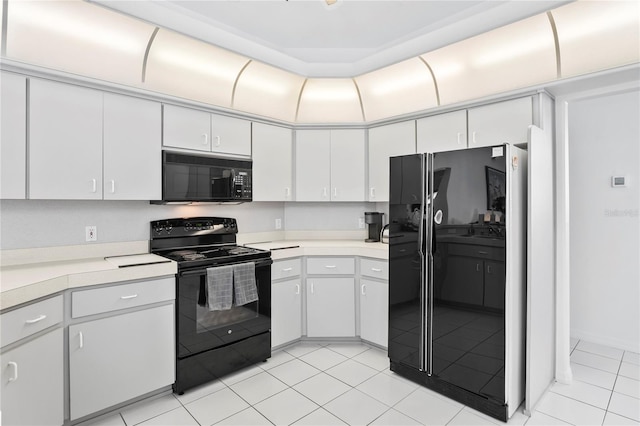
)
(604, 139)
(49, 223)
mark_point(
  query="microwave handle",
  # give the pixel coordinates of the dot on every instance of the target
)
(232, 183)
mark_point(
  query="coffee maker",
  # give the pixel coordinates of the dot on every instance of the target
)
(374, 220)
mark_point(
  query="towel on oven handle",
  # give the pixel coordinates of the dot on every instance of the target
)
(244, 283)
(220, 288)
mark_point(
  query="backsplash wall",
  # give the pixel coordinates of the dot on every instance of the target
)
(49, 223)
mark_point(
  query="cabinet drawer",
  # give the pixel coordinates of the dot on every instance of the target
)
(285, 269)
(374, 268)
(30, 319)
(107, 299)
(480, 252)
(331, 266)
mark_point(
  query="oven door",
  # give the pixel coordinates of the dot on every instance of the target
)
(199, 329)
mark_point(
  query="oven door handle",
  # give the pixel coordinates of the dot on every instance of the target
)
(203, 271)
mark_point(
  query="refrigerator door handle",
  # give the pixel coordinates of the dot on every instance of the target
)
(429, 235)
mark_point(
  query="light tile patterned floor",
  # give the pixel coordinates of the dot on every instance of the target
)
(350, 383)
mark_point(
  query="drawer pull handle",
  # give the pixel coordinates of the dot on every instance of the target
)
(35, 320)
(488, 269)
(113, 186)
(94, 185)
(132, 296)
(81, 337)
(217, 140)
(297, 288)
(287, 269)
(376, 269)
(483, 252)
(330, 266)
(15, 371)
(477, 267)
(205, 139)
(364, 293)
(372, 193)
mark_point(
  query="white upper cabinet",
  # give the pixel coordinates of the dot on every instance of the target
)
(13, 136)
(202, 131)
(230, 135)
(442, 132)
(132, 149)
(348, 165)
(65, 141)
(313, 165)
(330, 165)
(272, 163)
(186, 128)
(385, 142)
(499, 123)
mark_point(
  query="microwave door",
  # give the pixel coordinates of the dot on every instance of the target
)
(221, 183)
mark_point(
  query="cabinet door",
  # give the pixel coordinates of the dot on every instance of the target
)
(385, 142)
(374, 311)
(499, 123)
(272, 163)
(286, 312)
(494, 282)
(65, 141)
(313, 165)
(330, 307)
(348, 165)
(230, 135)
(443, 132)
(464, 281)
(132, 148)
(32, 382)
(114, 359)
(13, 136)
(186, 128)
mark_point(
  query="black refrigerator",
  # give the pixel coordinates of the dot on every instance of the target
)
(457, 274)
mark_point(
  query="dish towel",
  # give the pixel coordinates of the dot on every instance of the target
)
(220, 288)
(244, 283)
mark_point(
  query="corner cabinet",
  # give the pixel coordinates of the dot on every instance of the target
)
(193, 129)
(126, 354)
(330, 165)
(330, 297)
(272, 163)
(32, 366)
(13, 136)
(286, 301)
(385, 142)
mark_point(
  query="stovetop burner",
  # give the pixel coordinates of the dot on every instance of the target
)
(214, 254)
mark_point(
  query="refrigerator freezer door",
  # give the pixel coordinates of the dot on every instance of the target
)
(407, 246)
(468, 345)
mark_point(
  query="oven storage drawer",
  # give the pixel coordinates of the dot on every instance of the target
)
(28, 320)
(286, 269)
(115, 297)
(331, 266)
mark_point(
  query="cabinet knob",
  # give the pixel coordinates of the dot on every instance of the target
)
(15, 371)
(229, 331)
(35, 320)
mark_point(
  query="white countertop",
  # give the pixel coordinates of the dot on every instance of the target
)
(30, 274)
(23, 283)
(293, 248)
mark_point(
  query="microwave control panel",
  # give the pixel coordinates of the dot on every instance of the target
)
(242, 185)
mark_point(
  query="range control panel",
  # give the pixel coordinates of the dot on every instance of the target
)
(194, 226)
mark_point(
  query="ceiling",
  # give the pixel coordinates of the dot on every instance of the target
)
(348, 38)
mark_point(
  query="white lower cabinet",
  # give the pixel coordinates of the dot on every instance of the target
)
(114, 359)
(330, 307)
(286, 311)
(32, 382)
(374, 311)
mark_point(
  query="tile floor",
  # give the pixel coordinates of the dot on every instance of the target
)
(350, 383)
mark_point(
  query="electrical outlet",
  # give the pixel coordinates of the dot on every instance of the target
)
(278, 223)
(361, 222)
(91, 233)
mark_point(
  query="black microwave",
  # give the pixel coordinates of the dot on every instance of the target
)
(196, 178)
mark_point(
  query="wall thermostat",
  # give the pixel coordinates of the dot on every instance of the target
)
(618, 181)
